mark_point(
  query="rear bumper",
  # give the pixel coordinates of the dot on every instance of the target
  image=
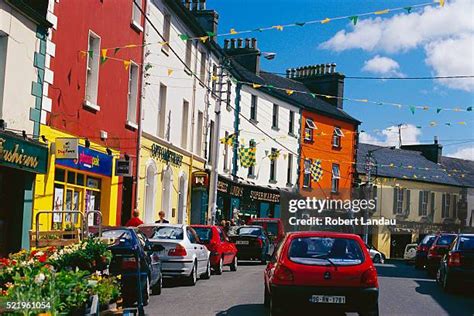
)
(249, 253)
(129, 283)
(461, 275)
(295, 297)
(176, 267)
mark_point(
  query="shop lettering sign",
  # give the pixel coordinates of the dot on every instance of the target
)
(90, 160)
(265, 196)
(67, 148)
(222, 186)
(23, 154)
(236, 191)
(166, 155)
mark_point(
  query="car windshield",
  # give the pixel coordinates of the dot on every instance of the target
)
(466, 243)
(255, 231)
(428, 240)
(168, 232)
(325, 251)
(204, 233)
(445, 240)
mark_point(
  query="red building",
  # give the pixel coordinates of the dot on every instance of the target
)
(95, 97)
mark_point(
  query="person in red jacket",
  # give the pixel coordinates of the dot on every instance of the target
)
(134, 221)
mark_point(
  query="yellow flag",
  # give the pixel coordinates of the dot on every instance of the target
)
(214, 78)
(290, 92)
(170, 72)
(163, 43)
(278, 27)
(204, 38)
(382, 11)
(233, 31)
(256, 85)
(130, 46)
(432, 123)
(462, 123)
(103, 52)
(328, 96)
(326, 20)
(126, 64)
(83, 53)
(363, 100)
(441, 3)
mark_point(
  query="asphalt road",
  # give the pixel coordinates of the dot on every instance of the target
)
(403, 291)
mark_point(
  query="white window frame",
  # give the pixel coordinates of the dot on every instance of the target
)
(202, 67)
(137, 16)
(166, 31)
(275, 115)
(185, 123)
(289, 172)
(291, 122)
(307, 173)
(336, 137)
(447, 205)
(92, 73)
(424, 202)
(251, 169)
(162, 99)
(189, 53)
(336, 175)
(310, 124)
(253, 107)
(273, 166)
(134, 71)
(199, 133)
(400, 198)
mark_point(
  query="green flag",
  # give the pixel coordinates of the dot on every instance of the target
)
(354, 19)
(211, 34)
(412, 109)
(438, 110)
(408, 9)
(184, 37)
(300, 23)
(117, 50)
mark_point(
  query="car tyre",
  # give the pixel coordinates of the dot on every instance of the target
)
(374, 311)
(266, 298)
(192, 278)
(263, 260)
(274, 310)
(156, 289)
(146, 292)
(377, 258)
(207, 274)
(233, 265)
(447, 284)
(218, 269)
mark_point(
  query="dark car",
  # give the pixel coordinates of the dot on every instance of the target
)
(457, 266)
(252, 243)
(422, 251)
(273, 227)
(437, 250)
(128, 246)
(321, 273)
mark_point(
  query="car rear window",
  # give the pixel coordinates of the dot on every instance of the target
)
(168, 232)
(118, 236)
(428, 240)
(255, 231)
(325, 251)
(466, 243)
(204, 233)
(445, 240)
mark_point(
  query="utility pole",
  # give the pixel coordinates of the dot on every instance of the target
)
(212, 207)
(369, 165)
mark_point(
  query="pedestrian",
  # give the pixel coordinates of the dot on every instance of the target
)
(134, 221)
(223, 223)
(162, 219)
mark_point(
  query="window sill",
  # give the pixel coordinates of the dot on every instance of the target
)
(136, 26)
(291, 134)
(275, 128)
(309, 141)
(272, 181)
(289, 185)
(252, 176)
(131, 125)
(91, 106)
(336, 147)
(253, 121)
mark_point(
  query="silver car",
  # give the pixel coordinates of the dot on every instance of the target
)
(184, 254)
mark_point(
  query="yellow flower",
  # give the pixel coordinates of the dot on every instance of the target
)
(119, 277)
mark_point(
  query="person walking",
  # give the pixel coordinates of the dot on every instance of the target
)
(162, 219)
(135, 220)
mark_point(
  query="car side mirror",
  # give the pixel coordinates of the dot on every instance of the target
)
(157, 247)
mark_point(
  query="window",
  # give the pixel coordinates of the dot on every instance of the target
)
(455, 206)
(289, 171)
(253, 108)
(132, 95)
(336, 138)
(228, 103)
(226, 151)
(446, 203)
(3, 56)
(423, 203)
(92, 76)
(184, 126)
(211, 143)
(202, 73)
(308, 130)
(189, 53)
(251, 172)
(162, 111)
(398, 200)
(200, 122)
(307, 173)
(335, 178)
(166, 31)
(273, 166)
(275, 116)
(214, 82)
(432, 204)
(137, 15)
(291, 124)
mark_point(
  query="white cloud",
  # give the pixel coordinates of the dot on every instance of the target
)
(463, 153)
(445, 33)
(383, 66)
(389, 136)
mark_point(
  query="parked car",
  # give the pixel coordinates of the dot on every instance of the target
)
(422, 251)
(273, 227)
(252, 243)
(184, 255)
(375, 255)
(129, 248)
(437, 250)
(410, 253)
(223, 252)
(457, 266)
(321, 272)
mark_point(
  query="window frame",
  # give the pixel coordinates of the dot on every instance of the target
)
(275, 116)
(253, 108)
(166, 31)
(91, 97)
(132, 120)
(336, 137)
(251, 169)
(137, 16)
(289, 171)
(307, 173)
(335, 177)
(273, 167)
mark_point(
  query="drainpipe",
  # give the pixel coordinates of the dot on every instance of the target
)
(235, 145)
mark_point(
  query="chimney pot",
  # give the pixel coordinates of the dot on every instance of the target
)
(203, 5)
(288, 72)
(254, 43)
(239, 43)
(247, 43)
(293, 73)
(226, 44)
(436, 139)
(333, 68)
(322, 69)
(328, 68)
(316, 69)
(232, 43)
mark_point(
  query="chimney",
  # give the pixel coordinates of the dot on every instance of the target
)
(432, 152)
(208, 19)
(321, 79)
(245, 52)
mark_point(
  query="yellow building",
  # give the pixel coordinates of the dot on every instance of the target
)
(84, 184)
(165, 180)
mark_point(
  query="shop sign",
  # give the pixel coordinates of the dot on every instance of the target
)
(222, 186)
(200, 179)
(123, 167)
(265, 196)
(23, 154)
(166, 155)
(91, 161)
(67, 148)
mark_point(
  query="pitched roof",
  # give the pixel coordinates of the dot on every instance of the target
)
(423, 170)
(461, 169)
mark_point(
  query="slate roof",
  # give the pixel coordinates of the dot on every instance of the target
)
(425, 170)
(461, 169)
(298, 99)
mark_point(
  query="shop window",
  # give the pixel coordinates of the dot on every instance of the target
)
(59, 175)
(80, 179)
(336, 137)
(307, 173)
(335, 178)
(71, 177)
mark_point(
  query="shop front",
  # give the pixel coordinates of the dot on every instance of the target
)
(21, 159)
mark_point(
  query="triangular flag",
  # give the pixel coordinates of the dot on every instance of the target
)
(211, 34)
(131, 46)
(448, 124)
(278, 27)
(170, 72)
(148, 66)
(256, 85)
(290, 92)
(214, 78)
(382, 12)
(91, 53)
(408, 9)
(426, 108)
(313, 95)
(354, 19)
(438, 110)
(163, 43)
(184, 37)
(412, 109)
(469, 109)
(432, 123)
(462, 123)
(441, 2)
(204, 38)
(326, 20)
(300, 23)
(103, 55)
(233, 31)
(116, 50)
(126, 64)
(269, 86)
(83, 53)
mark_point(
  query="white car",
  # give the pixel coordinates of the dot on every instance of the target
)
(184, 255)
(410, 253)
(375, 255)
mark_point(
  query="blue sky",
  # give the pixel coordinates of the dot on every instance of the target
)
(425, 43)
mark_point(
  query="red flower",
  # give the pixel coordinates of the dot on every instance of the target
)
(4, 262)
(43, 258)
(33, 253)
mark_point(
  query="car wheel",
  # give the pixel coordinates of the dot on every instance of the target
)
(207, 274)
(218, 269)
(266, 298)
(146, 292)
(377, 258)
(447, 286)
(438, 276)
(274, 310)
(233, 265)
(192, 278)
(156, 289)
(374, 311)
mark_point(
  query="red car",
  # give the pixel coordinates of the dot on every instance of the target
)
(437, 250)
(321, 272)
(223, 252)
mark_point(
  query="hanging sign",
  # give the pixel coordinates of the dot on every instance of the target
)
(200, 179)
(123, 167)
(67, 148)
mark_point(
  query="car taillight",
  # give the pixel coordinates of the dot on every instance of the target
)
(432, 252)
(454, 259)
(178, 251)
(129, 263)
(259, 242)
(369, 278)
(283, 274)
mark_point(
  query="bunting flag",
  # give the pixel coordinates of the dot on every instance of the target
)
(204, 38)
(233, 31)
(126, 64)
(170, 72)
(103, 55)
(256, 85)
(214, 78)
(290, 92)
(354, 19)
(316, 170)
(184, 37)
(278, 27)
(382, 12)
(229, 140)
(408, 9)
(326, 20)
(116, 50)
(274, 155)
(247, 156)
(300, 23)
(441, 2)
(412, 109)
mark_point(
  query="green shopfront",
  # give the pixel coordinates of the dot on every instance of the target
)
(20, 160)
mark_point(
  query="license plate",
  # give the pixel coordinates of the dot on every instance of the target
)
(242, 242)
(328, 299)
